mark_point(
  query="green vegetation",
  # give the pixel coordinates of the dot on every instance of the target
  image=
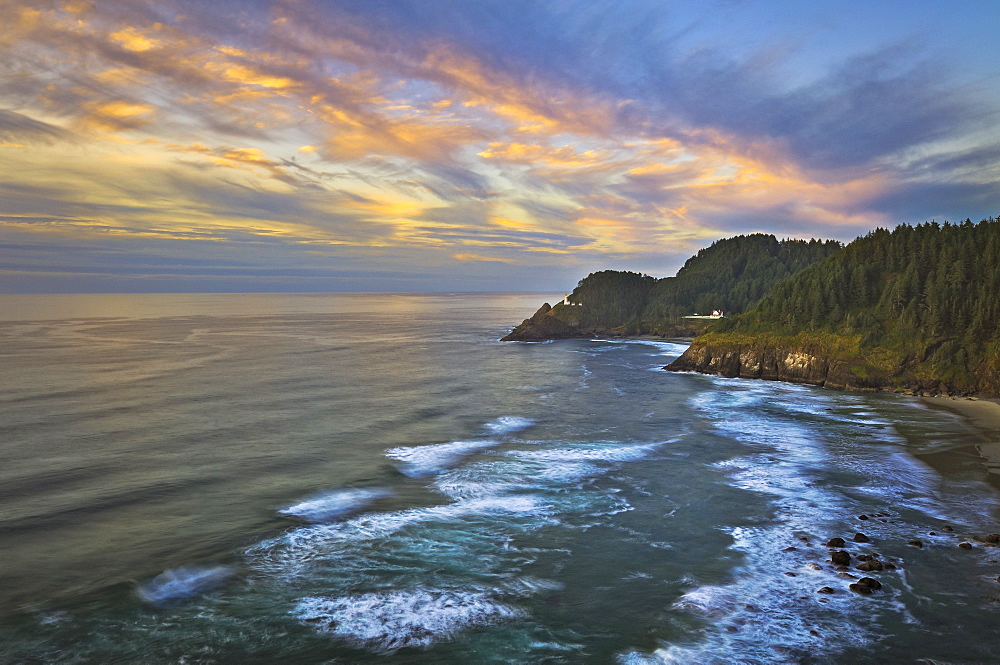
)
(731, 275)
(917, 306)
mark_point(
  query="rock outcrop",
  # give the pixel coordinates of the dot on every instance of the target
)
(562, 322)
(842, 371)
(543, 325)
(757, 361)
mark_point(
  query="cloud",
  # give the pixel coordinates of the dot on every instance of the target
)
(466, 257)
(17, 127)
(479, 136)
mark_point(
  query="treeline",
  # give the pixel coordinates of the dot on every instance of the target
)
(921, 301)
(731, 275)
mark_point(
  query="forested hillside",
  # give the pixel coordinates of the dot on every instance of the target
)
(915, 307)
(731, 275)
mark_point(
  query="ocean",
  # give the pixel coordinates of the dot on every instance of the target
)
(375, 478)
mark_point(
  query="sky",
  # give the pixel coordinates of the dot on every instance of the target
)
(473, 145)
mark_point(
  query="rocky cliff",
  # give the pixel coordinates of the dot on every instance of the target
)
(561, 322)
(816, 366)
(543, 325)
(756, 361)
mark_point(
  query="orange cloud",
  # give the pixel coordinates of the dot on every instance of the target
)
(132, 40)
(116, 116)
(465, 258)
(540, 157)
(521, 153)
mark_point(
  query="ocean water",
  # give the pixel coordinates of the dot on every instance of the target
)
(376, 479)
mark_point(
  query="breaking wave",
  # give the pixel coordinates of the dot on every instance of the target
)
(388, 621)
(328, 506)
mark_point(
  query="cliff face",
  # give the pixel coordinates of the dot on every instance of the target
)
(753, 361)
(798, 364)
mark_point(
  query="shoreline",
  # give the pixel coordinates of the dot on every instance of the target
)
(984, 416)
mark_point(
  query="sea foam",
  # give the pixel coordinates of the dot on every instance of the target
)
(328, 506)
(508, 424)
(393, 620)
(420, 461)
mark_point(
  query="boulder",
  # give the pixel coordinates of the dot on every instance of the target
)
(835, 542)
(861, 538)
(841, 558)
(866, 585)
(870, 566)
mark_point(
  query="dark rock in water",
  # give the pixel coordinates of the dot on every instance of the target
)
(825, 589)
(841, 558)
(965, 545)
(889, 565)
(916, 543)
(543, 325)
(947, 528)
(993, 539)
(836, 542)
(870, 566)
(790, 549)
(862, 517)
(861, 538)
(866, 585)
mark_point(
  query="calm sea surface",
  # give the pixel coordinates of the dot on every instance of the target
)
(314, 479)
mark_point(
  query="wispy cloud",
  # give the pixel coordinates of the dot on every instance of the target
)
(541, 138)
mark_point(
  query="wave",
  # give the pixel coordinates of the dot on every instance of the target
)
(609, 452)
(420, 461)
(302, 544)
(185, 582)
(393, 620)
(508, 424)
(334, 504)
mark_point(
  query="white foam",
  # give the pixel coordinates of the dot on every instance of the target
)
(602, 453)
(394, 620)
(498, 478)
(508, 424)
(331, 505)
(419, 461)
(776, 627)
(184, 582)
(302, 544)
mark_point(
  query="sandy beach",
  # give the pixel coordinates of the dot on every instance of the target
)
(984, 415)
